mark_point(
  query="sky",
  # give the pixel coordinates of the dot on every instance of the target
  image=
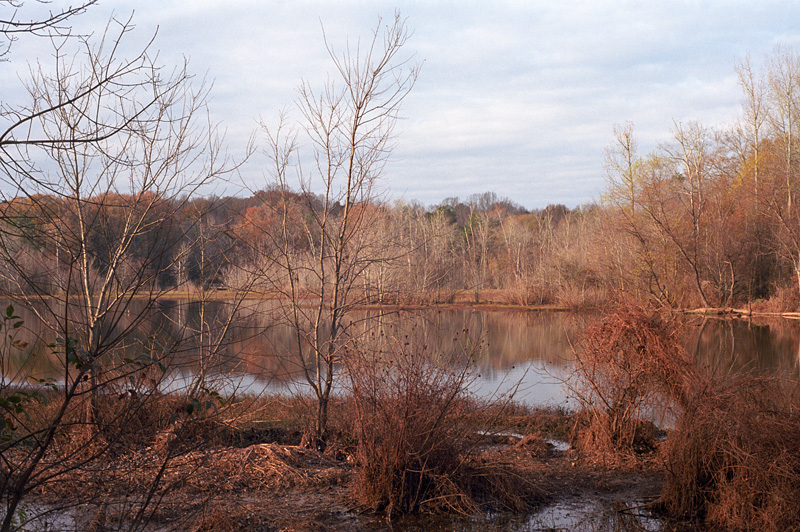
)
(518, 98)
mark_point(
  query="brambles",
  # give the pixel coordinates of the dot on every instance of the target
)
(629, 363)
(417, 443)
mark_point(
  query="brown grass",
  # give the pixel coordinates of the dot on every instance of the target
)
(527, 292)
(581, 297)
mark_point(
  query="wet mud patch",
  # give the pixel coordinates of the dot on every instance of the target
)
(272, 487)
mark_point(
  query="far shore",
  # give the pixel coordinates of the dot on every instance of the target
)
(489, 300)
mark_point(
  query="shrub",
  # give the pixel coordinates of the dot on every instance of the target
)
(416, 439)
(783, 299)
(734, 457)
(630, 362)
(410, 441)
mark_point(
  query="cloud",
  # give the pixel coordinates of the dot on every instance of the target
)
(516, 97)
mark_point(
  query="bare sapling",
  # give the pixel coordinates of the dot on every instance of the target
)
(316, 263)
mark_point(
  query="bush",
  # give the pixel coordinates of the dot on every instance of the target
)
(630, 363)
(416, 439)
(734, 457)
(410, 441)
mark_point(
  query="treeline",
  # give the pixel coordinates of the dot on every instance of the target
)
(702, 240)
(733, 248)
(415, 254)
(710, 218)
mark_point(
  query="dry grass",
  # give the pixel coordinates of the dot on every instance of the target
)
(214, 489)
(510, 416)
(783, 299)
(257, 467)
(527, 292)
(582, 297)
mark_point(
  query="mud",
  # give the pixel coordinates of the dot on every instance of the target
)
(275, 487)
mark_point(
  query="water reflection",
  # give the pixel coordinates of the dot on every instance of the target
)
(249, 347)
(760, 346)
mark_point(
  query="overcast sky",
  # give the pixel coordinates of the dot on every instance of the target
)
(519, 98)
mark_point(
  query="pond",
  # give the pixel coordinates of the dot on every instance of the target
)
(249, 348)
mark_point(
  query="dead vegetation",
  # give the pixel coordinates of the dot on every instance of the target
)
(732, 458)
(630, 364)
(417, 443)
(179, 467)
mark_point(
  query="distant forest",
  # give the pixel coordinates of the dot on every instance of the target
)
(709, 219)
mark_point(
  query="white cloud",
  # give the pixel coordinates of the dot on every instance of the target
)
(515, 97)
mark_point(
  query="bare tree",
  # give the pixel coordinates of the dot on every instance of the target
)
(16, 21)
(349, 127)
(784, 85)
(95, 169)
(622, 167)
(690, 154)
(476, 244)
(426, 262)
(755, 108)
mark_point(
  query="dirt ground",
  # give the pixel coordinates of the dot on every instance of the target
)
(281, 487)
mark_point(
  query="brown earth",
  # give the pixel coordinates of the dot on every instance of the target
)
(282, 487)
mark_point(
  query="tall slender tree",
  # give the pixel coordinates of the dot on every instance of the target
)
(349, 127)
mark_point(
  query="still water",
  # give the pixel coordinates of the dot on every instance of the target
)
(249, 349)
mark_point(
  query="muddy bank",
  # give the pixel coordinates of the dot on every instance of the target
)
(263, 480)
